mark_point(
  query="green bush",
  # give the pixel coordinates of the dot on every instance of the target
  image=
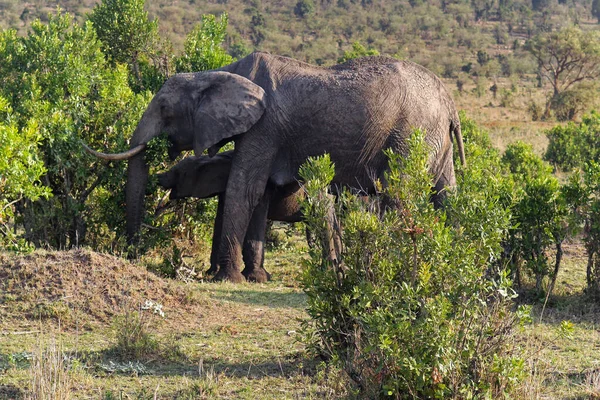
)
(202, 48)
(411, 303)
(21, 171)
(129, 37)
(358, 50)
(57, 89)
(540, 214)
(56, 78)
(571, 146)
(583, 192)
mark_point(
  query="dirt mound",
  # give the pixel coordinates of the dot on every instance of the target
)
(76, 284)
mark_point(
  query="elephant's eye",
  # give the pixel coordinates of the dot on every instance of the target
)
(165, 111)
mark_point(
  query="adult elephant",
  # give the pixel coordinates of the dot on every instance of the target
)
(204, 177)
(280, 111)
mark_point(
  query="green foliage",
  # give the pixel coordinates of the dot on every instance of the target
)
(21, 171)
(124, 28)
(540, 213)
(129, 37)
(412, 307)
(303, 8)
(524, 163)
(202, 48)
(57, 89)
(56, 79)
(570, 103)
(565, 59)
(583, 193)
(358, 50)
(571, 146)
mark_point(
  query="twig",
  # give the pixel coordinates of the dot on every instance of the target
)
(6, 333)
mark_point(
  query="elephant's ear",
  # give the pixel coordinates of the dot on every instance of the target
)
(229, 106)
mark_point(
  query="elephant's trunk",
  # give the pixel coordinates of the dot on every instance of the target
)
(137, 178)
(148, 128)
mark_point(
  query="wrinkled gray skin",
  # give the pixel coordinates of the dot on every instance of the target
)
(204, 177)
(279, 112)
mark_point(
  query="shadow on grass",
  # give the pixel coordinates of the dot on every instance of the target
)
(588, 388)
(11, 392)
(577, 308)
(107, 362)
(271, 299)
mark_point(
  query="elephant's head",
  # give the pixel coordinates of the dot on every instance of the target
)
(199, 177)
(197, 111)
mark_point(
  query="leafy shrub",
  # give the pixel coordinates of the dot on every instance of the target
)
(21, 171)
(129, 37)
(583, 191)
(134, 333)
(569, 104)
(202, 48)
(411, 304)
(535, 110)
(303, 8)
(71, 95)
(573, 145)
(540, 213)
(358, 50)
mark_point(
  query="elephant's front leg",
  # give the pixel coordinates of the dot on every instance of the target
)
(216, 238)
(245, 188)
(254, 243)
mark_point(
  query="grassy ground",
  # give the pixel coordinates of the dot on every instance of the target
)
(219, 340)
(216, 340)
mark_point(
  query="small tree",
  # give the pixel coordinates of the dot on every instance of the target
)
(358, 50)
(565, 58)
(202, 48)
(405, 308)
(21, 171)
(584, 195)
(303, 8)
(540, 213)
(129, 37)
(573, 145)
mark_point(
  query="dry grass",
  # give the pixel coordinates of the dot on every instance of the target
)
(506, 124)
(239, 341)
(50, 379)
(80, 286)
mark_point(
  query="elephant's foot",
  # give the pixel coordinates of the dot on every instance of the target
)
(212, 270)
(229, 274)
(259, 275)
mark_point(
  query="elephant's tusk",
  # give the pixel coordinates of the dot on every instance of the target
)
(118, 156)
(162, 204)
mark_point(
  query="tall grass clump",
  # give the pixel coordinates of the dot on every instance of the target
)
(411, 301)
(135, 336)
(50, 375)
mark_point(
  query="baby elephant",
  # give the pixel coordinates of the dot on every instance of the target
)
(204, 177)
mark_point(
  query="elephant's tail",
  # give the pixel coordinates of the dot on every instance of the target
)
(455, 127)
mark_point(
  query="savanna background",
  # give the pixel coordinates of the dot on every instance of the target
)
(78, 320)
